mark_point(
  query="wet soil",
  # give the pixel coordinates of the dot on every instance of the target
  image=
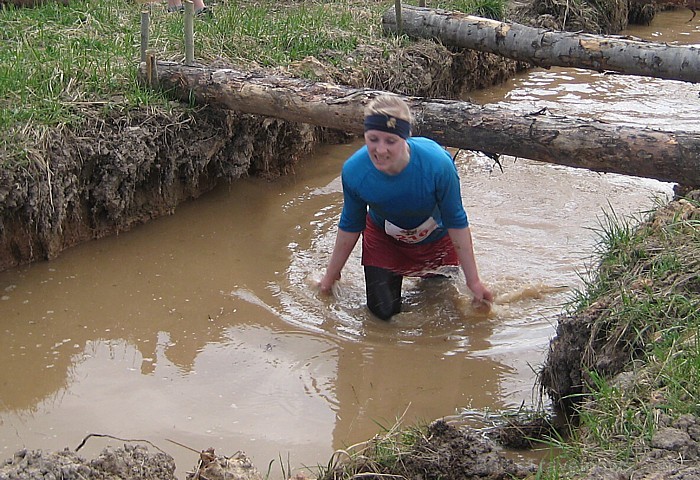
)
(125, 166)
(129, 462)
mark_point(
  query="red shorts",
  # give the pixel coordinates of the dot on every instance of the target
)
(408, 259)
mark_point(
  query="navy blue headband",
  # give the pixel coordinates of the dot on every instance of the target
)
(389, 124)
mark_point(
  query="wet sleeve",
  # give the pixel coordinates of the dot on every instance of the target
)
(449, 194)
(354, 214)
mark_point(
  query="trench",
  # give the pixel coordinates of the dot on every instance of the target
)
(204, 327)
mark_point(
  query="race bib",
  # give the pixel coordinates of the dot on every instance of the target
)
(413, 235)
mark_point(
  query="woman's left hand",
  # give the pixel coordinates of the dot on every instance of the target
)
(483, 298)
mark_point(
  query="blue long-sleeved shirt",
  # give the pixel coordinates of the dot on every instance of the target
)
(428, 186)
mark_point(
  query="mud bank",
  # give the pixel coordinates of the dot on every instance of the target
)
(128, 167)
(444, 452)
(129, 462)
(599, 342)
(125, 166)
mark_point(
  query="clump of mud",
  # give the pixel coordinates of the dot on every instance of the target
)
(217, 467)
(449, 452)
(588, 16)
(131, 462)
(443, 451)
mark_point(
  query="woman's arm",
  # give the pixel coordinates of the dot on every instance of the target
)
(344, 244)
(462, 240)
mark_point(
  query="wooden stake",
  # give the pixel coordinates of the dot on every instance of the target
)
(398, 16)
(151, 69)
(145, 26)
(189, 32)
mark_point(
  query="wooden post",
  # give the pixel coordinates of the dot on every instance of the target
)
(397, 7)
(421, 3)
(145, 25)
(151, 69)
(189, 32)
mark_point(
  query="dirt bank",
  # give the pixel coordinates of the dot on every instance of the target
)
(129, 462)
(443, 452)
(600, 343)
(132, 165)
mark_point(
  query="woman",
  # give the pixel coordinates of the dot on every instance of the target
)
(403, 195)
(200, 9)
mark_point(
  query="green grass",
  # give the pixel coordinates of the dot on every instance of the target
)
(494, 9)
(647, 280)
(54, 57)
(374, 458)
(267, 33)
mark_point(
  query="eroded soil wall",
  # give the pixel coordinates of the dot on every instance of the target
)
(122, 167)
(125, 168)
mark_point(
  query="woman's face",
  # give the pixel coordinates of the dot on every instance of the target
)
(388, 152)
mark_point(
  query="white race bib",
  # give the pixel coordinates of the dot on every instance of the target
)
(413, 235)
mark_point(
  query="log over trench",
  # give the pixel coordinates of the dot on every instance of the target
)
(574, 142)
(547, 48)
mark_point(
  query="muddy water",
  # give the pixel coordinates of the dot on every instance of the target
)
(203, 329)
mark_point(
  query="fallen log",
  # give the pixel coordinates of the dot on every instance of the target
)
(590, 144)
(546, 48)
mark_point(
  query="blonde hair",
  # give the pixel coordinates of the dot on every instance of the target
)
(389, 105)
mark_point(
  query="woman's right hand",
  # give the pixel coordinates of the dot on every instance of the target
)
(483, 297)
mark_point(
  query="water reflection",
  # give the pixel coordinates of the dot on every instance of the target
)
(586, 94)
(619, 99)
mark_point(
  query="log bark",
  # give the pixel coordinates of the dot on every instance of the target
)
(546, 48)
(590, 144)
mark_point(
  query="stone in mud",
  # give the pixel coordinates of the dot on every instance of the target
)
(217, 467)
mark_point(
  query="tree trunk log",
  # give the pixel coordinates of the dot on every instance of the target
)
(545, 48)
(590, 144)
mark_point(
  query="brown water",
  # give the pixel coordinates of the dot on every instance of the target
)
(203, 327)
